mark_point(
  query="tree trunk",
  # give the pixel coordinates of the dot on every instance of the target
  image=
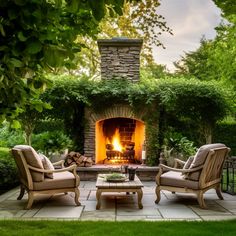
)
(28, 130)
(207, 132)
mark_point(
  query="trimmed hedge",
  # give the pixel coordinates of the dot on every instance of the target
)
(225, 132)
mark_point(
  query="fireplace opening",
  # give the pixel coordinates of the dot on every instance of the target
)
(119, 140)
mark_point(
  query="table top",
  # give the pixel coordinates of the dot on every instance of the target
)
(102, 183)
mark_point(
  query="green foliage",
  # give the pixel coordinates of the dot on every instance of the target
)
(225, 132)
(143, 22)
(202, 102)
(177, 146)
(214, 59)
(199, 104)
(109, 92)
(10, 137)
(49, 124)
(8, 170)
(51, 142)
(227, 6)
(152, 140)
(40, 35)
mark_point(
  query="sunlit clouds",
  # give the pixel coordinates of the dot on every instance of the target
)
(190, 20)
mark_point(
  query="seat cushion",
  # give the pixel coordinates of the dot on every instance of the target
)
(200, 158)
(32, 158)
(47, 165)
(176, 179)
(60, 180)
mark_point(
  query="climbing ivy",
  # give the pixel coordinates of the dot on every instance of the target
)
(203, 103)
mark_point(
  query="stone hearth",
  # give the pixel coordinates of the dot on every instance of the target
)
(145, 173)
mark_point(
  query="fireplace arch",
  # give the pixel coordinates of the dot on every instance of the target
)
(95, 139)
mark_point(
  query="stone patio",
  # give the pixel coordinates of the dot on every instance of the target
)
(119, 207)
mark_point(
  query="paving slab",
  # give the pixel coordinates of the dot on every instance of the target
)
(118, 206)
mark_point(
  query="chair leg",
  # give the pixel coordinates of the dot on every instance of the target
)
(22, 192)
(77, 197)
(30, 200)
(158, 194)
(218, 192)
(200, 199)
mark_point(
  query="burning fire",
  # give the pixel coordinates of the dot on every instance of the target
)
(116, 141)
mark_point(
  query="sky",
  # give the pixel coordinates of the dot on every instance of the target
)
(189, 21)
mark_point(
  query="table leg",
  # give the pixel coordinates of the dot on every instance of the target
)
(98, 196)
(140, 195)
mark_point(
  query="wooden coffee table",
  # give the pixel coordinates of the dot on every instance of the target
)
(134, 186)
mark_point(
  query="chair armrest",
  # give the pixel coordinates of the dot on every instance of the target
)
(69, 168)
(164, 167)
(178, 162)
(59, 163)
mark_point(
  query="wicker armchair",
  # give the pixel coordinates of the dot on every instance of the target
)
(37, 178)
(199, 174)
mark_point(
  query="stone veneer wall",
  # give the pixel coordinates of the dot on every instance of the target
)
(92, 117)
(120, 57)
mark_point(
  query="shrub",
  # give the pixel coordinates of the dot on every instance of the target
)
(8, 171)
(51, 142)
(177, 146)
(224, 132)
(9, 137)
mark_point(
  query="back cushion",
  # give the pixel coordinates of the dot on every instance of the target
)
(200, 158)
(47, 165)
(32, 158)
(188, 162)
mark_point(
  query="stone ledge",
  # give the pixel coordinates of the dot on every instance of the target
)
(145, 173)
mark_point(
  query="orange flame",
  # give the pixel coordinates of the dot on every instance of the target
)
(116, 141)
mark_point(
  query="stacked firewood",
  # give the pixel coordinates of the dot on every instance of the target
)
(78, 159)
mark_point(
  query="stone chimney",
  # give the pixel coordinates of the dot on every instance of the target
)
(120, 57)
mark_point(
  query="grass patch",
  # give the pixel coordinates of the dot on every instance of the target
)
(89, 228)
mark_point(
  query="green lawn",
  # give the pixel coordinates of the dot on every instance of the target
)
(89, 228)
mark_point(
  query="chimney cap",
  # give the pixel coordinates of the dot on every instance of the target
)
(120, 41)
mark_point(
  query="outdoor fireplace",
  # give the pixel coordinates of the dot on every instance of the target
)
(116, 135)
(119, 140)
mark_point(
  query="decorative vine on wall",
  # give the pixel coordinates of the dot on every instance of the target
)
(201, 102)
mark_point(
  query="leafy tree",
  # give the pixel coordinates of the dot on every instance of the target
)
(215, 59)
(139, 20)
(39, 35)
(154, 71)
(30, 116)
(227, 6)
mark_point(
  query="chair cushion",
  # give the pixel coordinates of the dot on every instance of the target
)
(47, 165)
(200, 158)
(188, 162)
(32, 158)
(60, 180)
(176, 179)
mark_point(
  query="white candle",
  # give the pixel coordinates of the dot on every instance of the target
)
(143, 155)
